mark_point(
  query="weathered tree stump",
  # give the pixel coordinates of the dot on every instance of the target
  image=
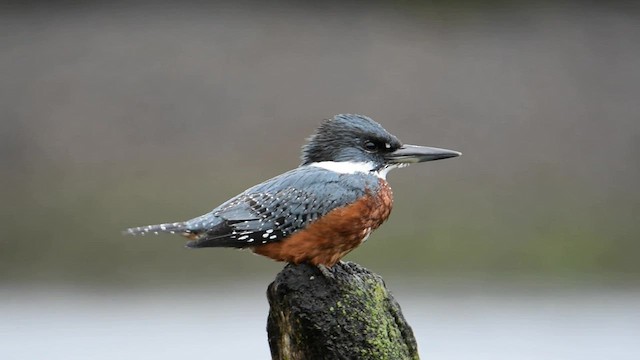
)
(349, 316)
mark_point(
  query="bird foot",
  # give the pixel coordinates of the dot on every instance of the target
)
(326, 271)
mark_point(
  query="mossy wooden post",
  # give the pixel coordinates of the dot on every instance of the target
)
(349, 316)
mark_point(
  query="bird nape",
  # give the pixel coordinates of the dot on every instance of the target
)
(319, 211)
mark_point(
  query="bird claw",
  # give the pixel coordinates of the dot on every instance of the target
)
(326, 271)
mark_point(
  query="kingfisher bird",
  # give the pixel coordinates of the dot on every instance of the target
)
(321, 210)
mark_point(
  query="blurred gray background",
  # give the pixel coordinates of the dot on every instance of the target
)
(118, 115)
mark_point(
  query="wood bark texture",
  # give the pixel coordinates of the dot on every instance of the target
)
(348, 315)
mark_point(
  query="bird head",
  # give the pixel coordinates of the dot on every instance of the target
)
(351, 143)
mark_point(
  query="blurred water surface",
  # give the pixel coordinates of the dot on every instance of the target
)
(483, 323)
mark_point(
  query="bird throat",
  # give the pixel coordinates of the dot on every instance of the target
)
(352, 167)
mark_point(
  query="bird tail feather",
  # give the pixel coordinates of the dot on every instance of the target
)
(171, 228)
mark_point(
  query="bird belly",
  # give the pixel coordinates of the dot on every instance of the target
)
(327, 240)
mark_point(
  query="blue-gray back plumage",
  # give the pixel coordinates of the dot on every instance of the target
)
(272, 210)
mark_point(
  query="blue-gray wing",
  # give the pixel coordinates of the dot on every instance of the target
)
(278, 207)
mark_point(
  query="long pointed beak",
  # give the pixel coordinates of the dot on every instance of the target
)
(409, 154)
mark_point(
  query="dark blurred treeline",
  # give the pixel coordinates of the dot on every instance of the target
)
(117, 115)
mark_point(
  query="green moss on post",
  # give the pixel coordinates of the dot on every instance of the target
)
(349, 316)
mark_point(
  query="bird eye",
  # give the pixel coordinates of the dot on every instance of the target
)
(370, 146)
